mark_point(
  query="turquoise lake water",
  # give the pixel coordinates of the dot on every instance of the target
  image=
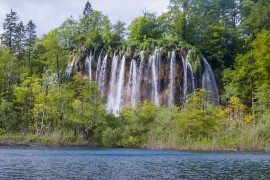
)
(89, 163)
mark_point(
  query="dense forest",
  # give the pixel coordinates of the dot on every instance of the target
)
(40, 102)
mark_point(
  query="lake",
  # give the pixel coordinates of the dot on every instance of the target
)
(99, 163)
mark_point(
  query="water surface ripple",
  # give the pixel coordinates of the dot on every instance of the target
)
(89, 163)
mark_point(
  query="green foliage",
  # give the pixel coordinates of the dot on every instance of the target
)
(163, 130)
(199, 118)
(250, 73)
(9, 26)
(143, 28)
(52, 52)
(132, 126)
(255, 16)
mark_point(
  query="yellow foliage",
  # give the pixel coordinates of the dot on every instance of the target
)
(235, 110)
(249, 118)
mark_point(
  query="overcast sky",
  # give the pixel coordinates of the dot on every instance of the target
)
(49, 14)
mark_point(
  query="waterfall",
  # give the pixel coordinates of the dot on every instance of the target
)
(69, 68)
(209, 82)
(191, 84)
(171, 80)
(132, 82)
(88, 64)
(188, 78)
(98, 69)
(102, 78)
(120, 85)
(112, 88)
(154, 60)
(139, 80)
(185, 79)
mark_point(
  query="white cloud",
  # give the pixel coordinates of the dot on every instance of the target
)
(49, 14)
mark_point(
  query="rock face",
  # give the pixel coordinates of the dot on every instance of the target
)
(164, 78)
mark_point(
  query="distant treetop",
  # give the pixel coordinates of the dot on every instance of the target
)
(88, 10)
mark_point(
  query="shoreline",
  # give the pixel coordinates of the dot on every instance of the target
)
(25, 143)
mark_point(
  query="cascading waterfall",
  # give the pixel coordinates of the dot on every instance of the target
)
(89, 65)
(102, 78)
(120, 85)
(154, 60)
(190, 78)
(112, 89)
(98, 69)
(209, 82)
(132, 82)
(172, 80)
(185, 79)
(161, 82)
(139, 80)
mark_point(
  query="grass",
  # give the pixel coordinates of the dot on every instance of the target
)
(247, 139)
(48, 139)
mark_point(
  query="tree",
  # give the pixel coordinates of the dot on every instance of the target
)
(106, 31)
(85, 111)
(119, 31)
(255, 16)
(19, 41)
(51, 49)
(199, 119)
(144, 28)
(8, 72)
(208, 25)
(88, 10)
(10, 26)
(250, 72)
(30, 32)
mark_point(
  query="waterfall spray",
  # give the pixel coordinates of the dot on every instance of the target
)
(154, 60)
(190, 78)
(185, 79)
(121, 77)
(102, 79)
(88, 64)
(132, 82)
(140, 74)
(98, 68)
(112, 88)
(209, 82)
(171, 80)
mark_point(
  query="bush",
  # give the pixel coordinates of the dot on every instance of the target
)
(199, 118)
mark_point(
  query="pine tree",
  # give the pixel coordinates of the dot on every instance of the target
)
(19, 40)
(30, 39)
(88, 10)
(10, 25)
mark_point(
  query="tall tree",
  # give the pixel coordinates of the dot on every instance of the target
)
(88, 10)
(10, 25)
(30, 39)
(119, 32)
(19, 40)
(119, 29)
(205, 24)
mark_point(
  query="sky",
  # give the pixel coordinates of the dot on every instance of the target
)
(49, 14)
